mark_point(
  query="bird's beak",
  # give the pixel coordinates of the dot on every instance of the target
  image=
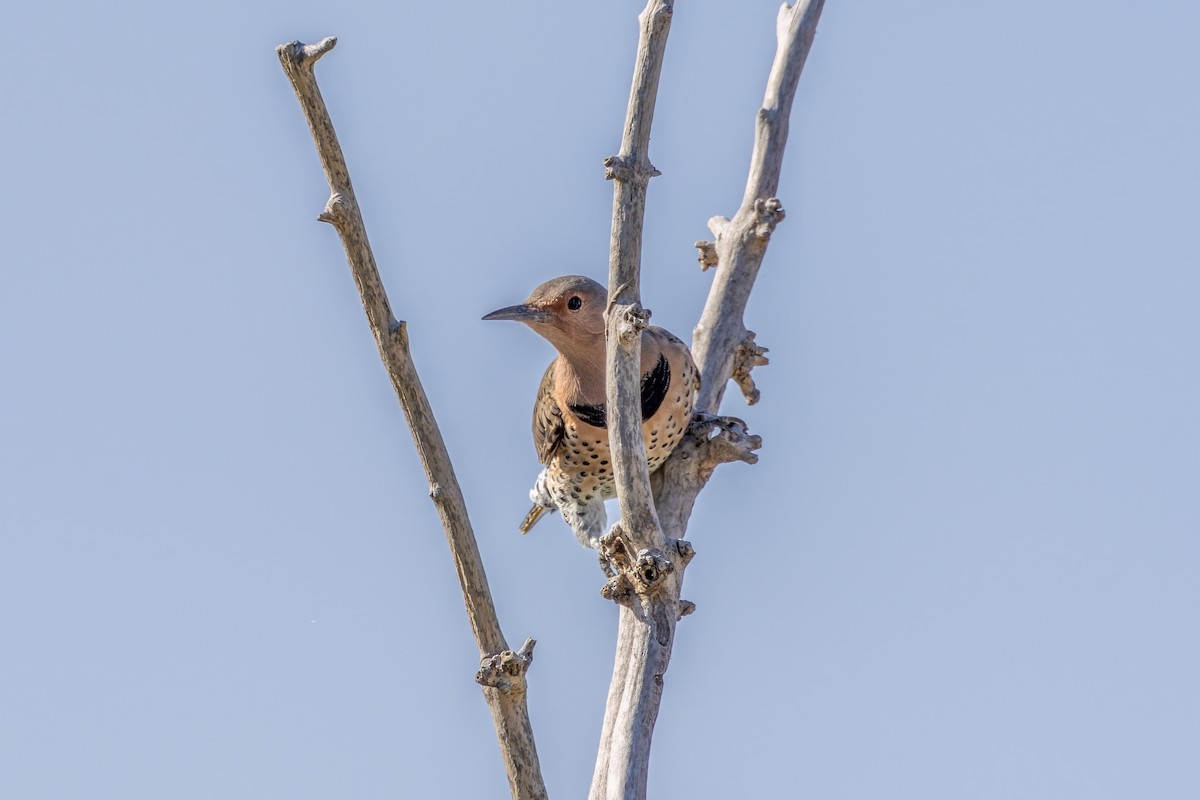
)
(521, 313)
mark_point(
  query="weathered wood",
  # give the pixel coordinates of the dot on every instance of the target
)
(630, 171)
(647, 547)
(722, 346)
(742, 242)
(501, 672)
(646, 583)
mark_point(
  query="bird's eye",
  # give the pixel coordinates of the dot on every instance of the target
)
(574, 303)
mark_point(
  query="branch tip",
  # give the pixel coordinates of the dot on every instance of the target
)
(686, 608)
(659, 13)
(789, 17)
(301, 54)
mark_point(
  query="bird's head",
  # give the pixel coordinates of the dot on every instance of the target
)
(568, 311)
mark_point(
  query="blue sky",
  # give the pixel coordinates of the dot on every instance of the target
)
(965, 566)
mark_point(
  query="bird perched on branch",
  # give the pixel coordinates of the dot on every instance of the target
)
(570, 429)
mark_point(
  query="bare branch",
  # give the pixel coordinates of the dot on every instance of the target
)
(646, 551)
(646, 583)
(630, 170)
(742, 242)
(711, 441)
(642, 654)
(721, 345)
(748, 356)
(502, 672)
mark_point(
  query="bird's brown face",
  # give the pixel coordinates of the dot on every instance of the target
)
(568, 311)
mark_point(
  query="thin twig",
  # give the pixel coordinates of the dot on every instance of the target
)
(501, 672)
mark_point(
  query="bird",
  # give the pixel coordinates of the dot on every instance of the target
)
(570, 429)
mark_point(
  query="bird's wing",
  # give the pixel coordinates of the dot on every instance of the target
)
(654, 390)
(654, 386)
(548, 428)
(672, 342)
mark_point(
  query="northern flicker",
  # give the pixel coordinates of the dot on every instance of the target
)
(570, 430)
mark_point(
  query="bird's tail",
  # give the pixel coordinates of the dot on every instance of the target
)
(533, 516)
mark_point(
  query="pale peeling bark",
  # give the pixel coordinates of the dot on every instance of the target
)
(501, 671)
(650, 555)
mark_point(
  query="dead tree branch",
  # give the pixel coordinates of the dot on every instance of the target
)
(741, 242)
(650, 564)
(501, 672)
(648, 567)
(630, 171)
(722, 346)
(646, 548)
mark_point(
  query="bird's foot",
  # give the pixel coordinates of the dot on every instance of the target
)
(703, 423)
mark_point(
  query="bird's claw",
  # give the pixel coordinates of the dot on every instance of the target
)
(703, 424)
(727, 438)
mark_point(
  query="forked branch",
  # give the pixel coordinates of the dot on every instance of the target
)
(646, 548)
(501, 672)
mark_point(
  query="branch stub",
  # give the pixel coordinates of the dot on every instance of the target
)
(707, 255)
(505, 671)
(767, 213)
(632, 319)
(621, 169)
(304, 55)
